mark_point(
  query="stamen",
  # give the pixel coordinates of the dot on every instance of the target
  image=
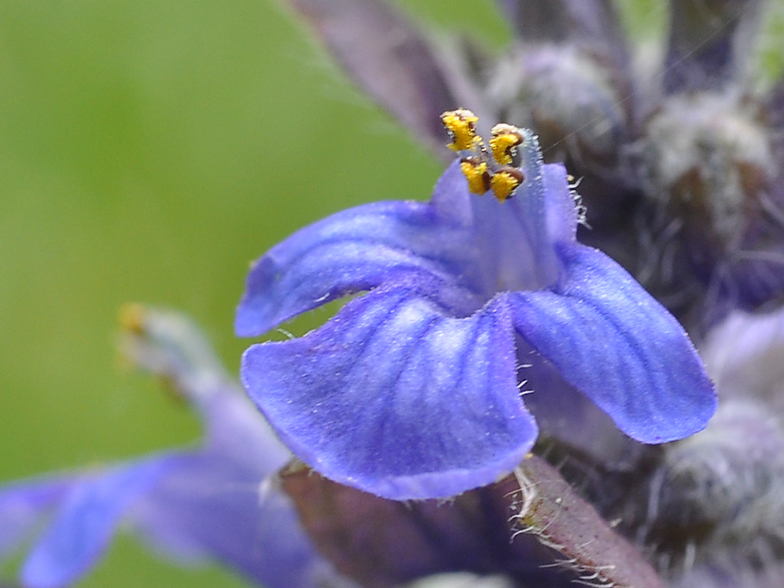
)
(461, 126)
(504, 141)
(485, 169)
(505, 181)
(477, 174)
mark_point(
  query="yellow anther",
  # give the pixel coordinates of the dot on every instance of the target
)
(132, 318)
(494, 168)
(503, 141)
(477, 175)
(461, 126)
(505, 181)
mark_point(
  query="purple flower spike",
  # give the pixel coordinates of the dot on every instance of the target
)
(192, 504)
(412, 391)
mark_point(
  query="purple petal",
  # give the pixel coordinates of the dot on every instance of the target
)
(565, 414)
(387, 57)
(85, 523)
(23, 505)
(709, 42)
(610, 339)
(394, 397)
(356, 250)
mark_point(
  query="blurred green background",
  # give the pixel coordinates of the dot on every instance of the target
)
(149, 150)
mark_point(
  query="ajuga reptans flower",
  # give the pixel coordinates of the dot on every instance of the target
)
(413, 390)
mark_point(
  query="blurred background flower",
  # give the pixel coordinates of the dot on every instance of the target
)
(149, 151)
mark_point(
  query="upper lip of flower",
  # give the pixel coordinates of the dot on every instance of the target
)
(411, 390)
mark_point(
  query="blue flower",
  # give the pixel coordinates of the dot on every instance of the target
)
(191, 504)
(413, 390)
